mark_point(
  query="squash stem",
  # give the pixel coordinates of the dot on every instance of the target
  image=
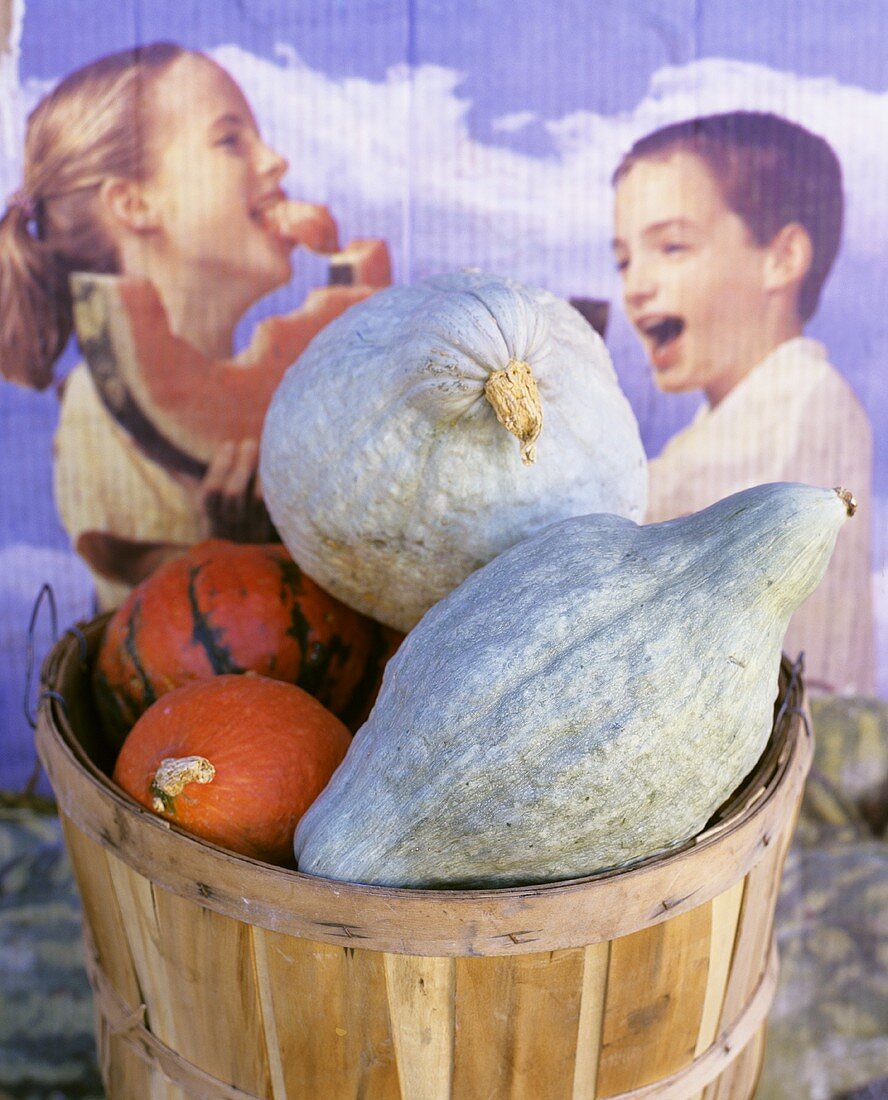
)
(515, 399)
(174, 774)
(847, 497)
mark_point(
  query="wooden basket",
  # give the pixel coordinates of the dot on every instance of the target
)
(217, 976)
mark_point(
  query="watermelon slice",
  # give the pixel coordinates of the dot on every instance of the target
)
(303, 223)
(178, 404)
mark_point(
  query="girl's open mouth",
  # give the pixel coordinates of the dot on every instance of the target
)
(269, 210)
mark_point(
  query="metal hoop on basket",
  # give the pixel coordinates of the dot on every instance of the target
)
(45, 591)
(74, 631)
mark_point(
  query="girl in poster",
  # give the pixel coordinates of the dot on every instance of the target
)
(120, 179)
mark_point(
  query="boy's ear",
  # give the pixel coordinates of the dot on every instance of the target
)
(124, 201)
(788, 258)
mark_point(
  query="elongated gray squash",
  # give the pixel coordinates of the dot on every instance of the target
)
(589, 697)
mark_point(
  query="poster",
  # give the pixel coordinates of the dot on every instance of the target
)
(465, 140)
(486, 135)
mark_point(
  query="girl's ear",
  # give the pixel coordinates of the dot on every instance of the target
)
(126, 204)
(788, 258)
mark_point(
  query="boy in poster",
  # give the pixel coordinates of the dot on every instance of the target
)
(725, 230)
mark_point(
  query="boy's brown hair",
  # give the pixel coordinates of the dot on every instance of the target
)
(771, 172)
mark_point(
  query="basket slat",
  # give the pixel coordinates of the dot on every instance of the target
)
(134, 896)
(102, 918)
(209, 982)
(516, 1024)
(725, 917)
(421, 1013)
(331, 1017)
(264, 988)
(654, 1001)
(753, 933)
(596, 963)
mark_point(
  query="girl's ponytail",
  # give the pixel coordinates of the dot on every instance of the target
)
(35, 302)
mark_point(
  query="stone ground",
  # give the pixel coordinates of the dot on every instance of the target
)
(828, 1032)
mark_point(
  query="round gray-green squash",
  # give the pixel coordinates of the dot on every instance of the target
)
(588, 698)
(388, 470)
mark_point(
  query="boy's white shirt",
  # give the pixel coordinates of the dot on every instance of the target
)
(792, 418)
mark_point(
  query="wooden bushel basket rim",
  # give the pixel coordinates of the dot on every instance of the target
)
(519, 920)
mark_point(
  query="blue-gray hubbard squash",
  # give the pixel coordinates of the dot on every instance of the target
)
(433, 426)
(588, 698)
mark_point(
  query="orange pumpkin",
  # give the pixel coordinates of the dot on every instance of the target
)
(236, 760)
(225, 607)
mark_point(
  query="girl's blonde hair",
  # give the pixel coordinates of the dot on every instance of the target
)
(92, 126)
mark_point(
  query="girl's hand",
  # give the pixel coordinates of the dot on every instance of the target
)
(231, 496)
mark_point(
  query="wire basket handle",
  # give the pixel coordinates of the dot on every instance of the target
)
(47, 593)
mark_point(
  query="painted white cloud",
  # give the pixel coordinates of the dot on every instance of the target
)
(15, 103)
(511, 124)
(396, 157)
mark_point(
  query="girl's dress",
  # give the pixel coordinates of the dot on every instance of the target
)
(103, 482)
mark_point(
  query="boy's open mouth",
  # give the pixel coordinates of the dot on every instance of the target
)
(662, 330)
